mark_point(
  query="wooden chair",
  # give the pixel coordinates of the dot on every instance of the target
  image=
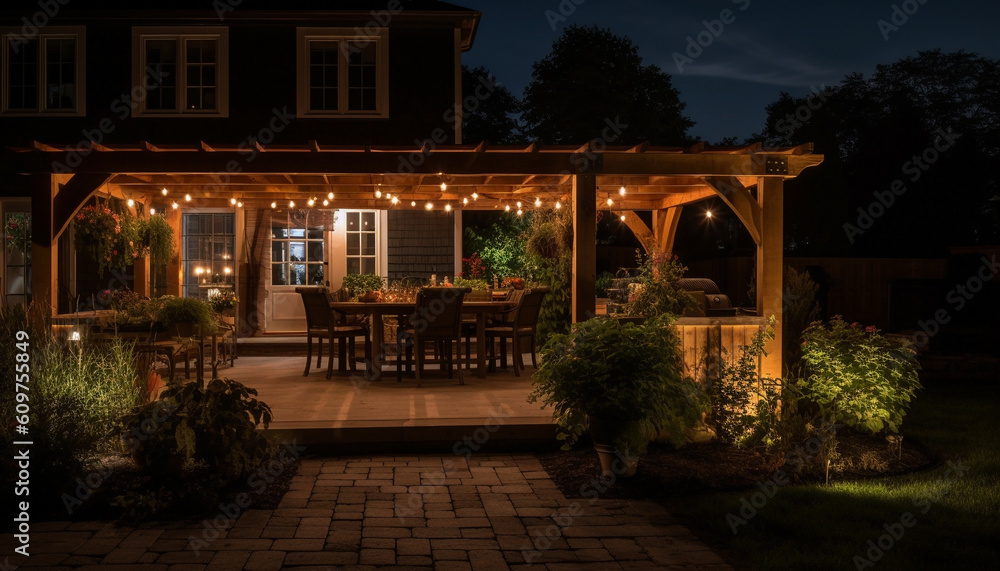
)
(524, 325)
(438, 318)
(322, 322)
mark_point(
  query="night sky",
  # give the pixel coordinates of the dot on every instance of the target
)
(769, 47)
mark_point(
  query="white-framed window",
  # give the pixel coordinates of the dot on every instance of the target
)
(44, 74)
(362, 241)
(298, 247)
(181, 71)
(209, 252)
(342, 73)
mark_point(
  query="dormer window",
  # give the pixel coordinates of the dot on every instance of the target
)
(342, 73)
(181, 71)
(43, 74)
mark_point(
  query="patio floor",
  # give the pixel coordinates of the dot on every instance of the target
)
(348, 409)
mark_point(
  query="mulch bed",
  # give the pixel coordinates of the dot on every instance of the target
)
(666, 472)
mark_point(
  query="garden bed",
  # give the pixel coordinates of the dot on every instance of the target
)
(667, 472)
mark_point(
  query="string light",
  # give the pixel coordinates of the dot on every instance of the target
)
(152, 212)
(519, 212)
(174, 205)
(187, 198)
(708, 214)
(378, 194)
(413, 203)
(232, 201)
(326, 203)
(538, 202)
(611, 201)
(518, 204)
(429, 206)
(239, 205)
(291, 204)
(444, 186)
(621, 191)
(395, 200)
(506, 208)
(164, 191)
(131, 203)
(447, 208)
(274, 205)
(311, 202)
(388, 195)
(475, 196)
(558, 205)
(623, 218)
(465, 201)
(330, 196)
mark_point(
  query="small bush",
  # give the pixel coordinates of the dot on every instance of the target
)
(658, 292)
(857, 376)
(357, 284)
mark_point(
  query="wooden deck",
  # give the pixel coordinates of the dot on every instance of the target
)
(347, 409)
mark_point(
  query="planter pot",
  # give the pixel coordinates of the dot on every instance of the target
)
(369, 297)
(613, 462)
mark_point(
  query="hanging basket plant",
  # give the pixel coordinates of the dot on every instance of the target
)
(102, 235)
(156, 239)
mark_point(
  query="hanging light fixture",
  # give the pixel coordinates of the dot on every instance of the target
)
(326, 203)
(611, 201)
(447, 207)
(623, 218)
(311, 202)
(475, 196)
(429, 206)
(465, 201)
(291, 204)
(174, 205)
(395, 200)
(558, 205)
(131, 203)
(187, 198)
(538, 202)
(622, 191)
(330, 196)
(378, 194)
(274, 205)
(164, 191)
(239, 205)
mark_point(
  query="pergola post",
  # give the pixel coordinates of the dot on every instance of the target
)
(584, 247)
(175, 277)
(770, 266)
(45, 246)
(665, 222)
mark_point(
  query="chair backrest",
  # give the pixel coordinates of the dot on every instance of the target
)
(317, 305)
(438, 313)
(479, 295)
(514, 295)
(529, 307)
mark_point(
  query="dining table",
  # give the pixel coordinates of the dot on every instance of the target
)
(379, 309)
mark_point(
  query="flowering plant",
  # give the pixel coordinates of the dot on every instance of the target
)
(105, 236)
(17, 232)
(474, 267)
(225, 299)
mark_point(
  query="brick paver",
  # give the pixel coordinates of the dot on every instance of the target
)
(489, 512)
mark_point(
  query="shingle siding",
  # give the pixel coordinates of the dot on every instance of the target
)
(421, 244)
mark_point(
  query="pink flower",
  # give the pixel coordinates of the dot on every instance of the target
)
(855, 325)
(870, 329)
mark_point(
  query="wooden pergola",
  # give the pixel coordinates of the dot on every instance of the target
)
(461, 177)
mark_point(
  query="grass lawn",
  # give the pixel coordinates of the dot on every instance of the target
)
(953, 514)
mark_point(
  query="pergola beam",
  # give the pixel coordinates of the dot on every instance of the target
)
(738, 198)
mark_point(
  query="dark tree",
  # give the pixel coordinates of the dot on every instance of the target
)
(594, 85)
(915, 147)
(489, 109)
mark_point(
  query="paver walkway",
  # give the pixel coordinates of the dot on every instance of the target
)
(489, 512)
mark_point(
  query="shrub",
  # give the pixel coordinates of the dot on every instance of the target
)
(603, 283)
(622, 375)
(357, 284)
(500, 246)
(857, 376)
(473, 284)
(549, 256)
(658, 292)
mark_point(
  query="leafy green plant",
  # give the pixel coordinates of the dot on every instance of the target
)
(500, 246)
(357, 284)
(857, 376)
(603, 283)
(181, 310)
(549, 256)
(215, 425)
(626, 377)
(474, 284)
(745, 405)
(658, 292)
(158, 239)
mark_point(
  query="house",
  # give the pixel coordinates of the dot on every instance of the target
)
(290, 143)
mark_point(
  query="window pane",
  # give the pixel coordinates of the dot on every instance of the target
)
(298, 274)
(368, 265)
(60, 74)
(353, 221)
(324, 75)
(279, 228)
(316, 251)
(297, 251)
(368, 244)
(201, 85)
(209, 244)
(22, 74)
(362, 76)
(161, 74)
(279, 274)
(353, 266)
(316, 276)
(353, 244)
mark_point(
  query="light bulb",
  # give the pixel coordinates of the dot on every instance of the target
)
(311, 202)
(506, 208)
(444, 186)
(611, 201)
(174, 205)
(291, 204)
(623, 218)
(621, 191)
(164, 191)
(558, 205)
(413, 203)
(395, 200)
(519, 212)
(519, 204)
(330, 196)
(232, 201)
(388, 195)
(131, 203)
(274, 205)
(708, 214)
(538, 203)
(152, 211)
(429, 206)
(475, 196)
(378, 194)
(239, 205)
(465, 201)
(187, 198)
(326, 203)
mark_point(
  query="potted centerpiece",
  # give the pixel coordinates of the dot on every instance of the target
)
(363, 287)
(224, 303)
(186, 317)
(622, 383)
